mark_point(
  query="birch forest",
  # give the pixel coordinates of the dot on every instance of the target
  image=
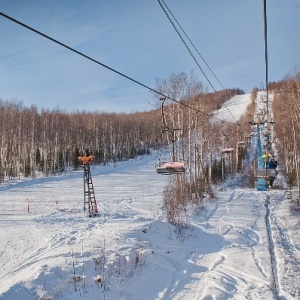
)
(49, 141)
(286, 108)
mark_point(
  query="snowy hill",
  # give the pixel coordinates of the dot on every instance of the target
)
(242, 245)
(234, 108)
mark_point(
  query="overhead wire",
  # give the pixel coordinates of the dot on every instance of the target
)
(109, 68)
(162, 4)
(192, 43)
(185, 44)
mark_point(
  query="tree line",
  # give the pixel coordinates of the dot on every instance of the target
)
(50, 141)
(198, 141)
(286, 109)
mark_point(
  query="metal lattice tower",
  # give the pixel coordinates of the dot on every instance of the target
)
(89, 202)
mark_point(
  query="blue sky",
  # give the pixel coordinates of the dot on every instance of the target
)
(136, 38)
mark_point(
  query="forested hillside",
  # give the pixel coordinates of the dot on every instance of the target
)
(286, 108)
(49, 141)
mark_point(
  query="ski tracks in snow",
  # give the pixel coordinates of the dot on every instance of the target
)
(40, 238)
(223, 255)
(231, 275)
(266, 236)
(24, 247)
(286, 262)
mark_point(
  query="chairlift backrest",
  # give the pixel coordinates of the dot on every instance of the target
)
(266, 173)
(272, 164)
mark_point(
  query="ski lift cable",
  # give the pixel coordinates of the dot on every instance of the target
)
(230, 112)
(174, 26)
(110, 68)
(185, 44)
(192, 44)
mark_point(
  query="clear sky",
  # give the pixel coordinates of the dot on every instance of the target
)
(136, 38)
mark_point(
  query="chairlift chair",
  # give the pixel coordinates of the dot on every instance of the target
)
(269, 173)
(266, 173)
(173, 166)
(168, 168)
(227, 150)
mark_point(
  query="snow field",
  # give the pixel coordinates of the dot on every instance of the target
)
(231, 249)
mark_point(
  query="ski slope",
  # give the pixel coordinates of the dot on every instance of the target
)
(233, 108)
(242, 245)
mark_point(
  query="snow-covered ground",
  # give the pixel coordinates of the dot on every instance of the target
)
(234, 108)
(242, 245)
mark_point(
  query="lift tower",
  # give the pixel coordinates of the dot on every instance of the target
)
(89, 201)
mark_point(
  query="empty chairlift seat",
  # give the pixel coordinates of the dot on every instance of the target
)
(168, 168)
(227, 150)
